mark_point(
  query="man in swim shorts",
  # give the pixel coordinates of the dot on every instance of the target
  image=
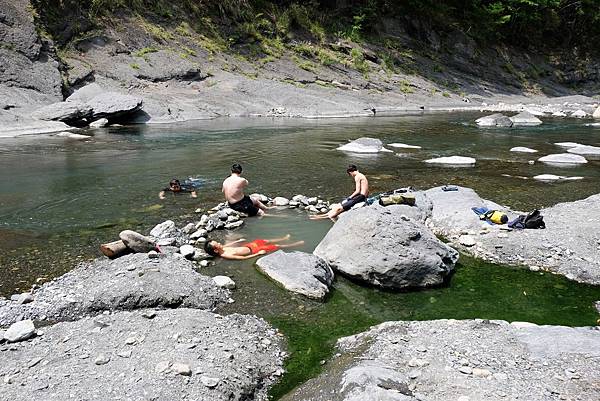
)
(360, 194)
(240, 250)
(233, 189)
(175, 186)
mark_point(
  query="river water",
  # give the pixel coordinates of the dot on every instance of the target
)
(59, 199)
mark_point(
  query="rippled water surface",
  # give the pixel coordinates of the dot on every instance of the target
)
(59, 199)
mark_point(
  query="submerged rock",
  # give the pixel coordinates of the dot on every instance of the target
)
(125, 355)
(130, 282)
(459, 360)
(72, 135)
(552, 177)
(453, 161)
(404, 146)
(563, 158)
(579, 114)
(363, 145)
(298, 272)
(380, 246)
(525, 118)
(567, 145)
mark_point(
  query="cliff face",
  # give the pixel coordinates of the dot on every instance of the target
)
(29, 72)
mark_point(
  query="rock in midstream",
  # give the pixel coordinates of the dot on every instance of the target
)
(130, 282)
(163, 356)
(381, 246)
(298, 272)
(451, 360)
(568, 246)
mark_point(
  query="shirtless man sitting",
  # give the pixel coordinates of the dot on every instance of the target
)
(233, 188)
(360, 194)
(247, 250)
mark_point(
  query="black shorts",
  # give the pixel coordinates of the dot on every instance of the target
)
(245, 205)
(347, 204)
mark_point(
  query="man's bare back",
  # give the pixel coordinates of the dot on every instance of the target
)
(362, 184)
(233, 188)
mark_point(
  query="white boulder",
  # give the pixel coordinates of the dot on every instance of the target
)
(363, 145)
(453, 161)
(224, 282)
(585, 150)
(281, 201)
(20, 331)
(552, 178)
(403, 146)
(523, 149)
(494, 120)
(100, 123)
(579, 114)
(72, 135)
(563, 158)
(596, 113)
(567, 145)
(559, 114)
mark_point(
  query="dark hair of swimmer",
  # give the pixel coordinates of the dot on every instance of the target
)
(174, 182)
(351, 168)
(209, 248)
(236, 168)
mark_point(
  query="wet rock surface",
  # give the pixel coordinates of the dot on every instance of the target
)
(382, 247)
(159, 355)
(451, 360)
(130, 282)
(298, 272)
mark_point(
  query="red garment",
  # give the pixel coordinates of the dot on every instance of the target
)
(260, 245)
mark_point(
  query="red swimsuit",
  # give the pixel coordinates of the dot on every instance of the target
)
(260, 245)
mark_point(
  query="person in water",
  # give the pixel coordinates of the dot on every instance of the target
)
(233, 189)
(240, 250)
(360, 194)
(176, 187)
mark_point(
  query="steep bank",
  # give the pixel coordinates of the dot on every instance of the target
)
(197, 65)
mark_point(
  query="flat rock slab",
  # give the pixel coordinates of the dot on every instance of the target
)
(130, 282)
(563, 158)
(451, 210)
(363, 145)
(165, 355)
(452, 360)
(567, 145)
(553, 178)
(382, 247)
(453, 161)
(568, 246)
(403, 146)
(298, 272)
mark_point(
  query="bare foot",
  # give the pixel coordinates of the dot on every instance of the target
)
(288, 236)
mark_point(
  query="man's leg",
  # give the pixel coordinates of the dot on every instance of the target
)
(276, 240)
(259, 204)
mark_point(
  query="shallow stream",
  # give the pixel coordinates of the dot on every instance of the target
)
(60, 198)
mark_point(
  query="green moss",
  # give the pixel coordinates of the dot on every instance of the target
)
(445, 94)
(406, 87)
(359, 62)
(134, 66)
(157, 32)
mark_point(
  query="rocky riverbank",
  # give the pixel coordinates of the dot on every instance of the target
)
(460, 360)
(145, 72)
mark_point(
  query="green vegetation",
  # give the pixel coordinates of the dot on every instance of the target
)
(135, 66)
(406, 87)
(146, 50)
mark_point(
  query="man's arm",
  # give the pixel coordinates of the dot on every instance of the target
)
(235, 242)
(193, 194)
(239, 257)
(161, 194)
(356, 189)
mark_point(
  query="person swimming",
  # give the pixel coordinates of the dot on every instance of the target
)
(247, 250)
(175, 186)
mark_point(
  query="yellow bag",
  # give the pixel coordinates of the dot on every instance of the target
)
(496, 217)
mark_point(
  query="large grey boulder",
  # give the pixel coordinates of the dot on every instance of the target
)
(181, 354)
(451, 360)
(382, 247)
(130, 282)
(68, 112)
(585, 150)
(494, 120)
(363, 145)
(298, 272)
(113, 105)
(525, 118)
